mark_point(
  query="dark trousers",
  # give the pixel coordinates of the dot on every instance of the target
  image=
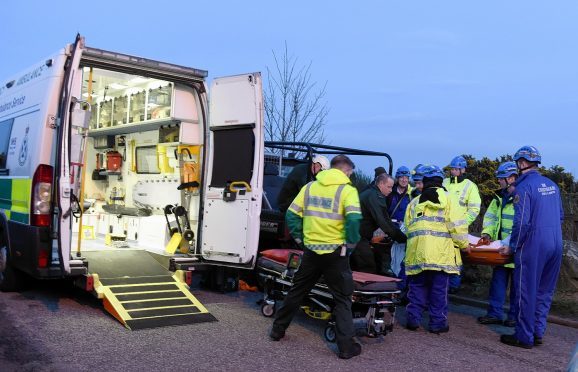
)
(428, 289)
(501, 277)
(335, 269)
(363, 258)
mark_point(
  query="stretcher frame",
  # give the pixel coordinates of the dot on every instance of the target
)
(373, 310)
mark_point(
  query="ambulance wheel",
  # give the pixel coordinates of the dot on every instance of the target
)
(329, 333)
(268, 310)
(10, 278)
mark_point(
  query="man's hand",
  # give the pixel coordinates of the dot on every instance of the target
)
(505, 250)
(467, 249)
(484, 240)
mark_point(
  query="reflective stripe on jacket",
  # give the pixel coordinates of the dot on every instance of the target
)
(433, 231)
(466, 195)
(324, 206)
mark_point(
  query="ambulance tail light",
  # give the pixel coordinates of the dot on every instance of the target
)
(40, 204)
(43, 258)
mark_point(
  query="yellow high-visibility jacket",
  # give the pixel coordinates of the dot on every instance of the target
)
(466, 195)
(499, 219)
(326, 213)
(434, 230)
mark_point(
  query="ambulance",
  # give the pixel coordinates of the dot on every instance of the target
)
(126, 174)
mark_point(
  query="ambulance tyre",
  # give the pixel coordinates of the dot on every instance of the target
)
(10, 278)
(268, 310)
(329, 333)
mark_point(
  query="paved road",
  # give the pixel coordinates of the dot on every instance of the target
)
(57, 328)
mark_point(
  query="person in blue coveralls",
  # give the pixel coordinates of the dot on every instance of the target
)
(536, 242)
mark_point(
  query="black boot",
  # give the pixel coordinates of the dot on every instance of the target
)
(277, 333)
(513, 341)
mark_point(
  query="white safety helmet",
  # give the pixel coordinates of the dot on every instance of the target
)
(322, 160)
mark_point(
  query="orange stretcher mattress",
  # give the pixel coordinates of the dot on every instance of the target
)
(277, 259)
(486, 256)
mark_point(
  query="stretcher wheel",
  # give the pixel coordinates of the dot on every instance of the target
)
(268, 309)
(188, 235)
(329, 333)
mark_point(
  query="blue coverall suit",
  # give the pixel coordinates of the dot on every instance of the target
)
(537, 242)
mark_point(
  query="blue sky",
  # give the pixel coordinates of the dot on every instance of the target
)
(421, 80)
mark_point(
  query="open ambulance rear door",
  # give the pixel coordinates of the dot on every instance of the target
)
(72, 124)
(234, 174)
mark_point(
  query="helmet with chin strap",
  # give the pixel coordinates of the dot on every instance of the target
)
(530, 153)
(402, 171)
(507, 169)
(418, 172)
(459, 162)
(430, 171)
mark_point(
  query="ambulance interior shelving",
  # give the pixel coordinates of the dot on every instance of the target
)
(135, 160)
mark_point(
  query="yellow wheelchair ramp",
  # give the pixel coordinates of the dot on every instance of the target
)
(151, 302)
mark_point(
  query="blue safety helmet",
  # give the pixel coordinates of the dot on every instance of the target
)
(430, 171)
(402, 171)
(418, 172)
(530, 153)
(459, 162)
(507, 169)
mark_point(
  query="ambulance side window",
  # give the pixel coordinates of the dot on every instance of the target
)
(5, 130)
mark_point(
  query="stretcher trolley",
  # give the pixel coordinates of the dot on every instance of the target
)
(375, 297)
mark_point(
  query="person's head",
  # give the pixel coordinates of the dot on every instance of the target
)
(384, 183)
(527, 158)
(458, 166)
(433, 176)
(417, 176)
(319, 163)
(378, 171)
(343, 163)
(507, 173)
(402, 175)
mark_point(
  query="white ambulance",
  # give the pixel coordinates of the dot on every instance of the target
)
(104, 154)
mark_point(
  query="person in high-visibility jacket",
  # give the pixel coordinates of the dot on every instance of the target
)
(536, 241)
(466, 197)
(325, 218)
(497, 225)
(434, 229)
(417, 177)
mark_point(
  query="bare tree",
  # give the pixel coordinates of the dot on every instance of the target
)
(294, 109)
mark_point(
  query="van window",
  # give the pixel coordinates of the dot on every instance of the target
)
(233, 156)
(5, 130)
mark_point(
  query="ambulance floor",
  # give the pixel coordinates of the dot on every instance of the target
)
(98, 244)
(116, 263)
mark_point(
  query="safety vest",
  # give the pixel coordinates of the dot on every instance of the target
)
(433, 231)
(466, 196)
(499, 219)
(324, 205)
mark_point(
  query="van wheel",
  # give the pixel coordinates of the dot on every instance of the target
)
(10, 278)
